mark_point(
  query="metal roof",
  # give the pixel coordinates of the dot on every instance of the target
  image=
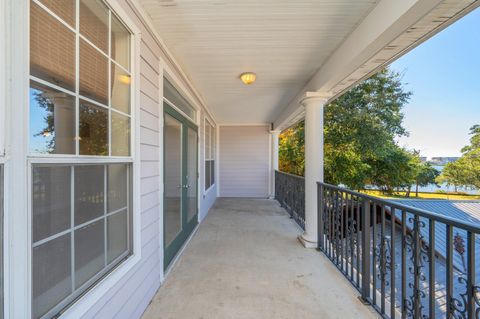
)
(462, 210)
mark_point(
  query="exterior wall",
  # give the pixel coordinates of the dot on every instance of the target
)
(244, 153)
(127, 290)
(207, 198)
(129, 297)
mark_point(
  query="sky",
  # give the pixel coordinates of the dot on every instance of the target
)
(444, 75)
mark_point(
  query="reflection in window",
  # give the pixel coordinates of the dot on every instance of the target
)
(52, 49)
(89, 193)
(120, 43)
(94, 23)
(175, 98)
(103, 75)
(52, 120)
(81, 212)
(93, 73)
(120, 89)
(65, 9)
(209, 155)
(91, 236)
(93, 129)
(120, 135)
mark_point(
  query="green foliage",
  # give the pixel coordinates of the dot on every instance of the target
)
(292, 150)
(424, 173)
(466, 170)
(360, 131)
(395, 168)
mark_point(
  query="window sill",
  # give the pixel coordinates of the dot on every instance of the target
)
(86, 302)
(205, 192)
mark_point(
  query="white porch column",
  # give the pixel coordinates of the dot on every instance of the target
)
(313, 164)
(274, 156)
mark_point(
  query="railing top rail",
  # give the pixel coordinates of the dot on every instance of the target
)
(289, 174)
(410, 209)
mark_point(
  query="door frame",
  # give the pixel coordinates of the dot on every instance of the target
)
(187, 227)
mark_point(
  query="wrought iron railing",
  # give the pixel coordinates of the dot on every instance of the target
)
(290, 193)
(406, 262)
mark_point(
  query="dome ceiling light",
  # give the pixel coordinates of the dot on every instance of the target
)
(248, 77)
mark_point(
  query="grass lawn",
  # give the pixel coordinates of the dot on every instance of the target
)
(449, 196)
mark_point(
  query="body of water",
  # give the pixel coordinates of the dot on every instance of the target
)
(432, 188)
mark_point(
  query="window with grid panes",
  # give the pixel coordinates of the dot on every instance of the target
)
(81, 119)
(209, 155)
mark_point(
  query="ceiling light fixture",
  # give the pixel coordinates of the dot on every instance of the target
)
(248, 77)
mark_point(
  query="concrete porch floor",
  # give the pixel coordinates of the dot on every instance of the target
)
(245, 262)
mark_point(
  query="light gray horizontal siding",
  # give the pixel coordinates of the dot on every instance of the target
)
(130, 296)
(244, 161)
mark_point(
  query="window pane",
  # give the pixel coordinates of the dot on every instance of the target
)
(212, 172)
(172, 95)
(89, 193)
(120, 43)
(120, 135)
(120, 89)
(51, 203)
(65, 9)
(117, 187)
(212, 146)
(51, 274)
(207, 140)
(207, 175)
(93, 73)
(173, 179)
(52, 120)
(94, 23)
(117, 241)
(52, 49)
(93, 129)
(89, 251)
(192, 174)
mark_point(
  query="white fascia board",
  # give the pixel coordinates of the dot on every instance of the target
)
(387, 21)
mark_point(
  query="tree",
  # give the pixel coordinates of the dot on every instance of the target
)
(452, 174)
(392, 170)
(426, 174)
(360, 131)
(292, 150)
(466, 170)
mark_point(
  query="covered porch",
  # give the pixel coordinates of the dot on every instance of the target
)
(245, 261)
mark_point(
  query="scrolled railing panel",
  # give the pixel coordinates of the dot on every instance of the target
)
(406, 262)
(290, 193)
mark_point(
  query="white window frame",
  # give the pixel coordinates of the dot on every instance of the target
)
(167, 77)
(20, 288)
(3, 155)
(212, 155)
(3, 78)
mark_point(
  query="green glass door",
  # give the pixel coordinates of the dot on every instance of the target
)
(180, 181)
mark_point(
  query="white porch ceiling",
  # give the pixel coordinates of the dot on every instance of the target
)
(285, 42)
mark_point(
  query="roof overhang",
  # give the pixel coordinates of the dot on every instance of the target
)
(391, 30)
(295, 47)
